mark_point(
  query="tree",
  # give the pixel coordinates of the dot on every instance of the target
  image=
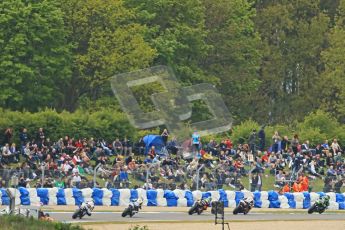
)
(106, 41)
(234, 56)
(294, 33)
(35, 55)
(330, 8)
(332, 97)
(177, 33)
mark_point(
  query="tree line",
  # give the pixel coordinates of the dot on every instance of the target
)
(272, 60)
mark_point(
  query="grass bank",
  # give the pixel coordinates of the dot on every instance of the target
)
(21, 223)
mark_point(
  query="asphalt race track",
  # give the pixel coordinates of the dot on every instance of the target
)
(180, 216)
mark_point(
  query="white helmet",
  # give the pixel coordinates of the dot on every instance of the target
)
(249, 199)
(140, 201)
(90, 204)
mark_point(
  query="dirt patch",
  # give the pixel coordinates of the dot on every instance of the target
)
(264, 225)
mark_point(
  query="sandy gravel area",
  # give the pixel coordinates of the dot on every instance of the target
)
(264, 225)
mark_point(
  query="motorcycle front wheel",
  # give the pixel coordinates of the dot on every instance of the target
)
(236, 210)
(75, 214)
(192, 210)
(125, 212)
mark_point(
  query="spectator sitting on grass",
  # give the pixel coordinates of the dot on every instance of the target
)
(59, 183)
(76, 179)
(280, 178)
(117, 147)
(66, 167)
(331, 172)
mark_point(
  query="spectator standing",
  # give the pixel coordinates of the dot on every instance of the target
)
(24, 139)
(285, 144)
(165, 136)
(252, 142)
(259, 184)
(141, 146)
(262, 136)
(335, 146)
(276, 139)
(294, 144)
(195, 142)
(8, 136)
(254, 182)
(172, 146)
(338, 185)
(127, 147)
(40, 137)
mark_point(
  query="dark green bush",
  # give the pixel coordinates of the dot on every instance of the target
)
(105, 123)
(109, 123)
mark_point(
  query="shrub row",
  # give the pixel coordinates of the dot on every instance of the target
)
(109, 124)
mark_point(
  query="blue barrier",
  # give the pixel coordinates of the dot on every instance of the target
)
(189, 196)
(271, 199)
(60, 197)
(43, 194)
(151, 197)
(97, 196)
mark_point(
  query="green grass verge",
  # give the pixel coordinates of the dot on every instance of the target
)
(21, 223)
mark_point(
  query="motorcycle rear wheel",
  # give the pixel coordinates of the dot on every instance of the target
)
(125, 212)
(236, 210)
(192, 210)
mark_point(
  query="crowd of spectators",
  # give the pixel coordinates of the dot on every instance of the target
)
(69, 162)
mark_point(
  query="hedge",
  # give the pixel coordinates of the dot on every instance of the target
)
(108, 123)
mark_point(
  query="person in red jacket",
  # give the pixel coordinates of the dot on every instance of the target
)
(296, 187)
(286, 188)
(304, 181)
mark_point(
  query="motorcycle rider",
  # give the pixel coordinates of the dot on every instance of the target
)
(325, 200)
(137, 204)
(89, 206)
(133, 207)
(206, 202)
(320, 205)
(249, 202)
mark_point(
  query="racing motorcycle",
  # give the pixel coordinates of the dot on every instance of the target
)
(244, 206)
(320, 205)
(200, 206)
(83, 209)
(132, 208)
